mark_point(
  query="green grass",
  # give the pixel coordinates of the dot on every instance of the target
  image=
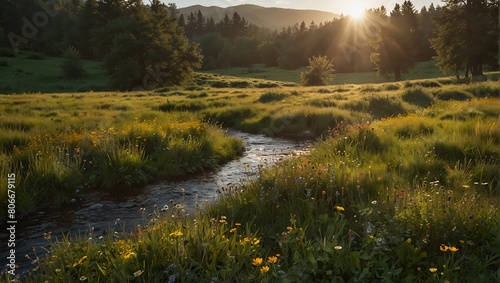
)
(370, 201)
(20, 74)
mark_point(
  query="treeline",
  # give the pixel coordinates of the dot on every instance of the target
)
(152, 44)
(233, 42)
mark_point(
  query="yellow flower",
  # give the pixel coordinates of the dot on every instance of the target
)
(138, 272)
(232, 230)
(289, 228)
(264, 269)
(338, 248)
(256, 241)
(462, 241)
(272, 259)
(453, 249)
(257, 261)
(237, 224)
(82, 259)
(432, 269)
(443, 248)
(278, 255)
(409, 240)
(340, 208)
(176, 233)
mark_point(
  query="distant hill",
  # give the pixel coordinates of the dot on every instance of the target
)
(272, 18)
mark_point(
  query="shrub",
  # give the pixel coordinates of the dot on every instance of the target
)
(267, 85)
(482, 90)
(450, 94)
(35, 57)
(209, 64)
(391, 87)
(320, 71)
(72, 66)
(382, 107)
(4, 52)
(271, 96)
(219, 84)
(239, 84)
(418, 96)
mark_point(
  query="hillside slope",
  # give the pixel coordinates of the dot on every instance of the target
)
(272, 18)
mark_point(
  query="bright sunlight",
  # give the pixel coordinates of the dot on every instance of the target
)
(356, 9)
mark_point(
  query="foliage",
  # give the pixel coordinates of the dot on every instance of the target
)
(467, 36)
(147, 50)
(319, 72)
(396, 45)
(72, 66)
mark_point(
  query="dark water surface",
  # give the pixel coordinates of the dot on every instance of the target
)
(101, 209)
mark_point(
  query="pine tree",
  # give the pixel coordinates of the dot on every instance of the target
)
(395, 47)
(467, 36)
(147, 50)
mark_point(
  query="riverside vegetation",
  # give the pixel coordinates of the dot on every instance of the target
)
(402, 184)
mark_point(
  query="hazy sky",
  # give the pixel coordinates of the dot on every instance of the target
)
(335, 6)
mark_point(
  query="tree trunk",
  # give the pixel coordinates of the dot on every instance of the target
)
(397, 75)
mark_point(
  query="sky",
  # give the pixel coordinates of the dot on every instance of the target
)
(335, 6)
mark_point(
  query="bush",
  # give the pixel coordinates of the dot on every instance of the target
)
(219, 84)
(382, 107)
(35, 57)
(271, 96)
(4, 52)
(418, 96)
(72, 66)
(267, 85)
(452, 95)
(392, 87)
(209, 63)
(239, 84)
(320, 71)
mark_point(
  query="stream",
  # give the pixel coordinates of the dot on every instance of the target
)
(102, 209)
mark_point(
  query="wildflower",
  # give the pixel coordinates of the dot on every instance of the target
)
(340, 208)
(232, 230)
(83, 278)
(408, 240)
(237, 224)
(289, 228)
(272, 259)
(432, 269)
(338, 248)
(323, 192)
(171, 278)
(176, 233)
(257, 261)
(443, 248)
(256, 241)
(350, 232)
(453, 249)
(264, 269)
(462, 241)
(466, 186)
(374, 202)
(138, 272)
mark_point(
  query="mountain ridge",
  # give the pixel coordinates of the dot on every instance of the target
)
(273, 18)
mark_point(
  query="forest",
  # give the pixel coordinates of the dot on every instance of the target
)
(462, 37)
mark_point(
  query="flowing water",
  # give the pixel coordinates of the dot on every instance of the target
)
(102, 209)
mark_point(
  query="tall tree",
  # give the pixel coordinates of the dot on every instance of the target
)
(467, 33)
(394, 47)
(148, 50)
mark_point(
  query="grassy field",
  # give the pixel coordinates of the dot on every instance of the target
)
(402, 184)
(412, 198)
(29, 72)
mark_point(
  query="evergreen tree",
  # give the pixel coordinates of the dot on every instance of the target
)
(395, 45)
(319, 72)
(466, 36)
(148, 50)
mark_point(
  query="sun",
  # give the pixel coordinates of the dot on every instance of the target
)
(356, 11)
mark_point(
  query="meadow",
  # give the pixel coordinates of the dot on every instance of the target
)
(411, 198)
(401, 185)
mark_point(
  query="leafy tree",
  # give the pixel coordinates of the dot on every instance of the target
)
(395, 47)
(466, 36)
(148, 50)
(319, 72)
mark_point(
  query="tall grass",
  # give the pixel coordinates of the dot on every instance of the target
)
(371, 201)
